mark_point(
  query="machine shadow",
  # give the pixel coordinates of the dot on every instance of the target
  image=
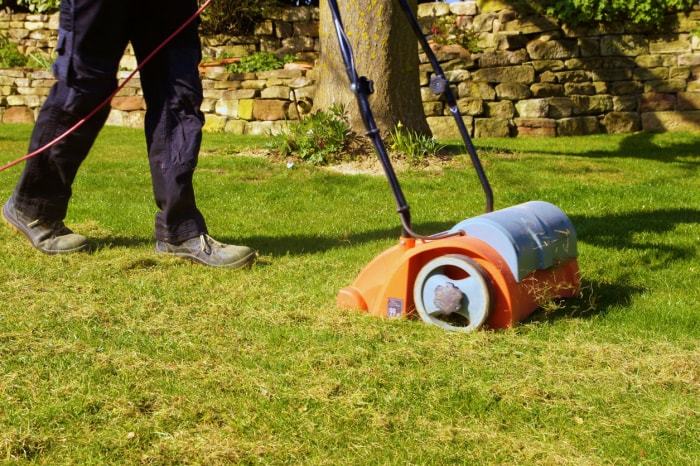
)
(310, 244)
(618, 231)
(277, 246)
(643, 147)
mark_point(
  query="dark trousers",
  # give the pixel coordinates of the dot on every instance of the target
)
(93, 35)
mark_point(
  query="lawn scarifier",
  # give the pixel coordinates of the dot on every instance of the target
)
(494, 269)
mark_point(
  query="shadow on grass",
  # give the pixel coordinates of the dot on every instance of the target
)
(616, 231)
(642, 146)
(596, 298)
(619, 231)
(310, 244)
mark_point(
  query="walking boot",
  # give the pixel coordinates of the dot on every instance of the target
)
(48, 236)
(206, 250)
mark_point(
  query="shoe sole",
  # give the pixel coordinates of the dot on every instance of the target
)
(16, 230)
(239, 264)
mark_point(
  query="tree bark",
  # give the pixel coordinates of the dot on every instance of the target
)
(386, 52)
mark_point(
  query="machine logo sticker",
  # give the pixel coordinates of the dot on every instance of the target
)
(394, 308)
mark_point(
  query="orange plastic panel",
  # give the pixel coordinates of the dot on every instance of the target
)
(384, 288)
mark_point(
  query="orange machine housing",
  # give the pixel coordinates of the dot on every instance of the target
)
(527, 252)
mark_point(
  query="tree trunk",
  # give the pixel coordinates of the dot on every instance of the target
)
(386, 52)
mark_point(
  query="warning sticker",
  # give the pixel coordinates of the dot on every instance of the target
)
(394, 307)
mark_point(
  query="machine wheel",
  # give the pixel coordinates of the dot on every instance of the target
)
(453, 292)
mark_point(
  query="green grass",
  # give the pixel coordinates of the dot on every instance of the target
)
(123, 357)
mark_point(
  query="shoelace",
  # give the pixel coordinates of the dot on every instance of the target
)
(204, 244)
(57, 227)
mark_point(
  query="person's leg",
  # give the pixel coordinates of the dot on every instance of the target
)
(173, 92)
(173, 124)
(91, 43)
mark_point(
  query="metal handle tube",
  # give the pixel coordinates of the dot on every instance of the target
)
(362, 87)
(440, 84)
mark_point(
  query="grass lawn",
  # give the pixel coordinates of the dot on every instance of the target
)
(120, 356)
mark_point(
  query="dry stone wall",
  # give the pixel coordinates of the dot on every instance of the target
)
(531, 76)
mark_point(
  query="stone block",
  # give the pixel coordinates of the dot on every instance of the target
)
(468, 8)
(503, 109)
(433, 9)
(245, 109)
(553, 49)
(470, 106)
(445, 127)
(665, 85)
(625, 103)
(290, 14)
(513, 91)
(549, 65)
(689, 59)
(612, 74)
(256, 84)
(503, 58)
(577, 126)
(589, 46)
(208, 105)
(579, 89)
(591, 104)
(214, 123)
(476, 89)
(627, 45)
(283, 29)
(276, 92)
(270, 109)
(560, 107)
(536, 127)
(280, 74)
(679, 72)
(533, 25)
(646, 74)
(669, 43)
(305, 93)
(128, 104)
(428, 95)
(506, 74)
(237, 127)
(306, 29)
(259, 128)
(656, 102)
(301, 81)
(264, 28)
(238, 94)
(17, 100)
(136, 119)
(532, 108)
(654, 61)
(116, 118)
(226, 107)
(671, 121)
(688, 101)
(547, 90)
(621, 122)
(491, 128)
(625, 88)
(573, 76)
(432, 108)
(457, 76)
(18, 115)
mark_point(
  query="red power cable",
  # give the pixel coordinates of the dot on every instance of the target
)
(108, 99)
